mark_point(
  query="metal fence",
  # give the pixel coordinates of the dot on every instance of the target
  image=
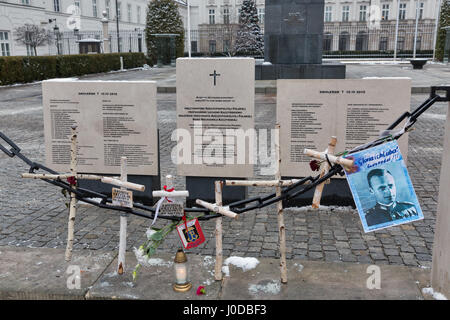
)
(339, 40)
(361, 41)
(69, 42)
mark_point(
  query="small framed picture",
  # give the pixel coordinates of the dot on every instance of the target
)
(382, 189)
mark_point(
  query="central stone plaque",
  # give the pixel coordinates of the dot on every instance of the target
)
(215, 106)
(215, 122)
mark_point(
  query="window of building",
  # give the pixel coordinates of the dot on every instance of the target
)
(194, 46)
(401, 43)
(138, 14)
(261, 14)
(363, 13)
(345, 13)
(418, 42)
(78, 5)
(56, 5)
(226, 45)
(107, 8)
(226, 16)
(344, 41)
(383, 43)
(327, 41)
(4, 43)
(212, 16)
(421, 8)
(94, 8)
(402, 12)
(385, 11)
(362, 41)
(328, 13)
(119, 7)
(26, 2)
(129, 12)
(212, 46)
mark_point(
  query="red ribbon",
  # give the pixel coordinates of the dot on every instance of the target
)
(168, 190)
(185, 221)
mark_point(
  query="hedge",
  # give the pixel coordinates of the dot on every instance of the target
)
(28, 69)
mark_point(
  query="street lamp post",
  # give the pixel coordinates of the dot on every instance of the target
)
(56, 31)
(415, 29)
(117, 27)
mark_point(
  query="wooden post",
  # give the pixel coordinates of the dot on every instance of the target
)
(73, 199)
(281, 227)
(440, 273)
(324, 171)
(123, 221)
(219, 253)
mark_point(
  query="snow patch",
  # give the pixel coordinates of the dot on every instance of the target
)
(436, 295)
(244, 263)
(208, 260)
(207, 282)
(271, 287)
(105, 284)
(226, 271)
(299, 267)
(159, 262)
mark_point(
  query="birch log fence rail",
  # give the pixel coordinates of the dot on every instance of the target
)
(292, 190)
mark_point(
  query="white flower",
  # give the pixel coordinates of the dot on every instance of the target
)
(140, 256)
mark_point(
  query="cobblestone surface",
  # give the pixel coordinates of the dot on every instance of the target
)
(33, 213)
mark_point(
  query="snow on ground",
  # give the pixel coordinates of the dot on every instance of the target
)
(244, 263)
(299, 267)
(436, 295)
(271, 287)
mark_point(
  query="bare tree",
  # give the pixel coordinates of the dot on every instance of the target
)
(32, 35)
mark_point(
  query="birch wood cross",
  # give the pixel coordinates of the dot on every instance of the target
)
(169, 192)
(277, 183)
(318, 191)
(73, 201)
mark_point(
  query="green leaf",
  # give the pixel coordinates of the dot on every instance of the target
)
(157, 236)
(151, 251)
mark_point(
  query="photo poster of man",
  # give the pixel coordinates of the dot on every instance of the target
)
(382, 188)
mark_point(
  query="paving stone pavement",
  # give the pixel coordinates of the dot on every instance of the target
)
(33, 213)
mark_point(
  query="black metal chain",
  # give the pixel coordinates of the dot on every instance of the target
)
(240, 206)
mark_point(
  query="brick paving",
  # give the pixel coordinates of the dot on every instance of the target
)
(33, 213)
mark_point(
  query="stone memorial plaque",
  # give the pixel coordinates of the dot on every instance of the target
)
(113, 119)
(215, 110)
(355, 111)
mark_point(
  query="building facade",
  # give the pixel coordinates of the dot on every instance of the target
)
(349, 25)
(370, 25)
(74, 20)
